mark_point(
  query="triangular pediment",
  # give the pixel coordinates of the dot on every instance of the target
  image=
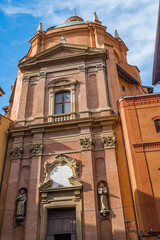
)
(59, 52)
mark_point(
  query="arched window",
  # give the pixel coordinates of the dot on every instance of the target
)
(157, 125)
(62, 103)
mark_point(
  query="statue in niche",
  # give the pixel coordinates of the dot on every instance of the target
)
(21, 206)
(103, 199)
(75, 167)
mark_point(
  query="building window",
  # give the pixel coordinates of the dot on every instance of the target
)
(62, 103)
(157, 125)
(61, 99)
(123, 88)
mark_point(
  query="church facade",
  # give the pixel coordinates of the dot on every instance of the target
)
(77, 155)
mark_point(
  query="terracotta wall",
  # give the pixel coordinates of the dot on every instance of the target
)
(142, 149)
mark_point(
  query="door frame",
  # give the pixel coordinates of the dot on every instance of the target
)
(61, 199)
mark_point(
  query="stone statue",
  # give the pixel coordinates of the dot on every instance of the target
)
(103, 201)
(21, 206)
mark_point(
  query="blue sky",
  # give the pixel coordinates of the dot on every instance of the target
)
(135, 20)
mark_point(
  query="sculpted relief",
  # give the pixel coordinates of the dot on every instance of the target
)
(60, 173)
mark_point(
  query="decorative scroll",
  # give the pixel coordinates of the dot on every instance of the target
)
(86, 143)
(36, 149)
(16, 152)
(61, 160)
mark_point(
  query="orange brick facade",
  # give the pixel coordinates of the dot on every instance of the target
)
(91, 65)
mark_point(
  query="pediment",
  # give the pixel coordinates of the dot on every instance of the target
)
(61, 52)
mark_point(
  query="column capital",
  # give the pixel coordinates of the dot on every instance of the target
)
(26, 78)
(36, 149)
(101, 66)
(109, 141)
(42, 74)
(87, 144)
(82, 68)
(16, 152)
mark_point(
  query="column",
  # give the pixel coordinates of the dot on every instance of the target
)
(41, 97)
(118, 228)
(8, 227)
(90, 231)
(32, 216)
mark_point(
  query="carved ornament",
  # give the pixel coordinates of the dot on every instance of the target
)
(86, 143)
(109, 142)
(16, 152)
(101, 66)
(26, 78)
(82, 68)
(36, 149)
(61, 160)
(42, 74)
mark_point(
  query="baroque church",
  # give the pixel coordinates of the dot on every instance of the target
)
(85, 143)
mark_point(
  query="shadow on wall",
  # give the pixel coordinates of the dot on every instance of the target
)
(147, 210)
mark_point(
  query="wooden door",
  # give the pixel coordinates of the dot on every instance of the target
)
(61, 224)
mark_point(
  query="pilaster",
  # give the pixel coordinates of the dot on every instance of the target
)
(83, 91)
(8, 227)
(102, 86)
(41, 97)
(23, 98)
(89, 192)
(32, 216)
(109, 142)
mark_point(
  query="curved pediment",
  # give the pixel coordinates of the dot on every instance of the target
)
(63, 172)
(61, 82)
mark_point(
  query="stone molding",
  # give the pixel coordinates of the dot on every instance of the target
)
(82, 68)
(36, 149)
(61, 160)
(146, 145)
(16, 152)
(87, 144)
(100, 66)
(26, 78)
(109, 142)
(42, 74)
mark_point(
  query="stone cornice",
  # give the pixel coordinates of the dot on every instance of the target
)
(56, 126)
(139, 100)
(125, 75)
(146, 145)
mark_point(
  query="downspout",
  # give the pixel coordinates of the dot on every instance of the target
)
(138, 237)
(5, 159)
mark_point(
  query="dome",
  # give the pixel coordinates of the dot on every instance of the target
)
(73, 20)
